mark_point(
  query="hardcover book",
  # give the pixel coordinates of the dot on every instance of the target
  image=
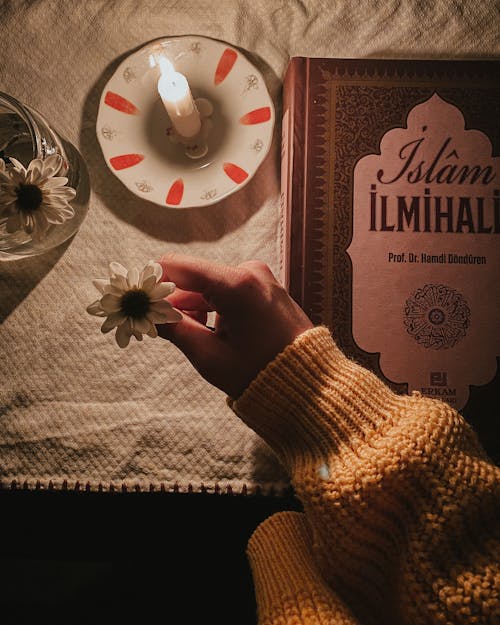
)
(390, 204)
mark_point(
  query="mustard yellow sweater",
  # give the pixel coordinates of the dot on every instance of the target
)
(401, 503)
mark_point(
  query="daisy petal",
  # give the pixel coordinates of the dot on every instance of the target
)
(68, 192)
(153, 333)
(17, 178)
(69, 211)
(34, 171)
(5, 200)
(64, 193)
(58, 216)
(161, 290)
(13, 223)
(96, 309)
(142, 325)
(57, 204)
(168, 313)
(52, 164)
(100, 284)
(27, 222)
(17, 165)
(123, 334)
(113, 290)
(158, 270)
(40, 226)
(137, 335)
(133, 278)
(161, 306)
(173, 316)
(157, 317)
(36, 163)
(34, 177)
(119, 282)
(147, 271)
(110, 303)
(54, 183)
(117, 270)
(113, 320)
(148, 283)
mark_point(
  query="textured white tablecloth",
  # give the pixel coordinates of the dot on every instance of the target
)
(73, 406)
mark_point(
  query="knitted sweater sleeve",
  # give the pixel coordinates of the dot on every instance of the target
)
(401, 499)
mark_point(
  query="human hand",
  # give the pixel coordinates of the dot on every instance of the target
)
(255, 318)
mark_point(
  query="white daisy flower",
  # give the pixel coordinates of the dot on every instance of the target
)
(133, 302)
(34, 198)
(3, 172)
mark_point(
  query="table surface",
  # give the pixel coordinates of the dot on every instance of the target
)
(75, 409)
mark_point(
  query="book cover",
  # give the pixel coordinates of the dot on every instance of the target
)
(390, 220)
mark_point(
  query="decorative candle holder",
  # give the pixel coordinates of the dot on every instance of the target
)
(25, 135)
(141, 145)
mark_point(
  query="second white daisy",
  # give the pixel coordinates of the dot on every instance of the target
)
(35, 197)
(133, 302)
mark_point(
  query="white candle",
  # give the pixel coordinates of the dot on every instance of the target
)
(177, 100)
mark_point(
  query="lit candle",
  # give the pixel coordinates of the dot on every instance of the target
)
(177, 100)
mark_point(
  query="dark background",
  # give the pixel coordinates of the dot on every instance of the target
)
(87, 557)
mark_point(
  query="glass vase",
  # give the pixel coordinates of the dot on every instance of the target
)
(25, 135)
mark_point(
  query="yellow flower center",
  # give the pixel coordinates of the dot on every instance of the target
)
(29, 197)
(135, 303)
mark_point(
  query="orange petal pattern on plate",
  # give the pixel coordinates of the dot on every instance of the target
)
(175, 193)
(257, 116)
(225, 65)
(125, 160)
(234, 172)
(118, 102)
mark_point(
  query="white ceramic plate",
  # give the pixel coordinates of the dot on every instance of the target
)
(133, 126)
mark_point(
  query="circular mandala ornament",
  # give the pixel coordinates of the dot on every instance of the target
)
(437, 316)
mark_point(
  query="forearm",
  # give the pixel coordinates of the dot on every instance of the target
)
(288, 587)
(396, 488)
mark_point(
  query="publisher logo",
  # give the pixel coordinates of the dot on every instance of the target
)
(438, 388)
(438, 378)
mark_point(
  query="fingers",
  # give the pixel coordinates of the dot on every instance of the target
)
(189, 300)
(224, 288)
(258, 267)
(190, 336)
(201, 317)
(192, 273)
(191, 304)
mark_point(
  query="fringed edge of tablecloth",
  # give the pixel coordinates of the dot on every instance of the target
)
(268, 490)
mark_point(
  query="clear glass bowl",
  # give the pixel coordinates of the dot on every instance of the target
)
(25, 135)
